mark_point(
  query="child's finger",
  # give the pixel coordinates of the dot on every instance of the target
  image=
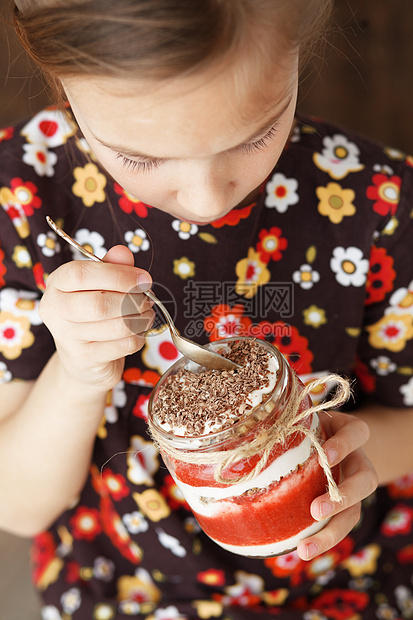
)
(359, 481)
(86, 275)
(339, 526)
(351, 434)
(114, 329)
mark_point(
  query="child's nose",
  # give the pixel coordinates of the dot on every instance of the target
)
(207, 190)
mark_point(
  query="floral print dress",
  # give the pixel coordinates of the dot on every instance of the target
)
(321, 265)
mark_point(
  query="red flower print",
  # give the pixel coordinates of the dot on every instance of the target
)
(115, 484)
(405, 555)
(366, 379)
(340, 604)
(173, 495)
(6, 133)
(118, 534)
(39, 276)
(86, 523)
(212, 577)
(233, 217)
(402, 487)
(26, 195)
(46, 564)
(271, 244)
(3, 268)
(224, 322)
(72, 572)
(386, 192)
(145, 378)
(287, 339)
(128, 203)
(398, 521)
(140, 409)
(380, 276)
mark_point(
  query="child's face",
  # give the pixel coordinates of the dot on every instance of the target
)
(193, 147)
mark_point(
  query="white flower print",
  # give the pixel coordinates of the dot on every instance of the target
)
(171, 543)
(48, 243)
(137, 241)
(129, 607)
(115, 398)
(281, 192)
(401, 301)
(383, 365)
(42, 160)
(135, 522)
(168, 613)
(349, 266)
(103, 569)
(184, 229)
(71, 600)
(383, 169)
(50, 127)
(50, 612)
(159, 351)
(404, 599)
(90, 240)
(142, 460)
(21, 257)
(407, 391)
(338, 157)
(306, 276)
(5, 374)
(21, 303)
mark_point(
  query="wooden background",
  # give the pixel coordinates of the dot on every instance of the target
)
(365, 82)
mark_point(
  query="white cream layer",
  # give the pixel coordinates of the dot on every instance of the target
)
(265, 551)
(279, 468)
(254, 399)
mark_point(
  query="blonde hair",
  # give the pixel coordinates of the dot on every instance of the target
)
(161, 39)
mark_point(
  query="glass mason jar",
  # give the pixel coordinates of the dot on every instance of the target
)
(270, 513)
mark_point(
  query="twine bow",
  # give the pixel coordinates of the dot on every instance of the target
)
(289, 422)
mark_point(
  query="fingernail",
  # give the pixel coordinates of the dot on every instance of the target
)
(144, 282)
(331, 456)
(311, 550)
(325, 509)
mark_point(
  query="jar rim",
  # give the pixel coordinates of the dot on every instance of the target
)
(187, 442)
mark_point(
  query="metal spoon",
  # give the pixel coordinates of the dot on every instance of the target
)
(189, 349)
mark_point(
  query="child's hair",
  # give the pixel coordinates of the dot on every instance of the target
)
(161, 39)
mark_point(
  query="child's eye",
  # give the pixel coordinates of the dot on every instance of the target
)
(249, 147)
(143, 165)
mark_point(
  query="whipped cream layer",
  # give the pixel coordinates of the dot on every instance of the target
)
(275, 548)
(210, 501)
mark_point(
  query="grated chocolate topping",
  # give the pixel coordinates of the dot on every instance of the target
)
(211, 400)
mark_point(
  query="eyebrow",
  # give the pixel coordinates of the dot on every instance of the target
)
(255, 136)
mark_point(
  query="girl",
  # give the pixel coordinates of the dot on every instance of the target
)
(181, 143)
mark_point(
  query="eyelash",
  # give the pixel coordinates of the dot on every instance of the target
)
(149, 164)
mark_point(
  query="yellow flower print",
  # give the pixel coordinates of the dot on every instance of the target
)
(104, 611)
(152, 504)
(363, 562)
(208, 609)
(90, 184)
(21, 257)
(335, 202)
(314, 316)
(276, 597)
(139, 587)
(391, 332)
(391, 226)
(15, 335)
(184, 268)
(252, 273)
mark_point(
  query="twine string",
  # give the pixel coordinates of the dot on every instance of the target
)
(288, 423)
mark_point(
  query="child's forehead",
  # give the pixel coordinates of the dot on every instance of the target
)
(236, 94)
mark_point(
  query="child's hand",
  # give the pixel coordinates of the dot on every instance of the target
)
(97, 316)
(358, 479)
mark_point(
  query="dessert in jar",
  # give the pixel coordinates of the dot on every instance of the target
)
(248, 478)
